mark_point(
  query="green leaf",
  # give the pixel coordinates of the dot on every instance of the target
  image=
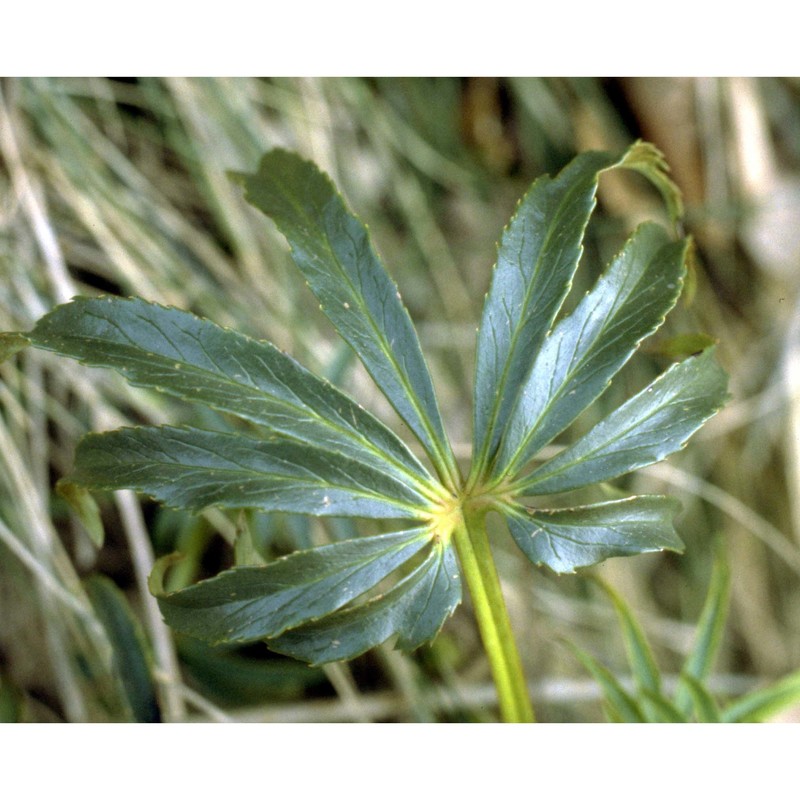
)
(332, 249)
(246, 604)
(640, 657)
(415, 608)
(700, 699)
(131, 659)
(649, 427)
(536, 260)
(762, 704)
(567, 539)
(586, 349)
(708, 634)
(622, 705)
(193, 469)
(194, 359)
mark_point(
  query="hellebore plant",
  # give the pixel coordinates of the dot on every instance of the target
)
(310, 449)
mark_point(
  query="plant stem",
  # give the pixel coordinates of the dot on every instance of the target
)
(478, 567)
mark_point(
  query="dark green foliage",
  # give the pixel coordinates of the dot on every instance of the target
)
(307, 448)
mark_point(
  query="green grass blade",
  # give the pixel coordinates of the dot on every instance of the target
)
(332, 249)
(130, 658)
(195, 360)
(659, 709)
(622, 705)
(649, 427)
(433, 587)
(586, 349)
(193, 469)
(708, 635)
(246, 604)
(700, 700)
(762, 704)
(566, 539)
(640, 657)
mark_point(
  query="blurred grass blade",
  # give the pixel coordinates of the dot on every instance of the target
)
(587, 348)
(624, 707)
(130, 659)
(416, 608)
(191, 468)
(708, 635)
(659, 709)
(701, 702)
(761, 705)
(195, 360)
(649, 427)
(332, 249)
(569, 538)
(246, 604)
(640, 657)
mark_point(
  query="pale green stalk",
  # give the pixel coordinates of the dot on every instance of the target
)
(477, 564)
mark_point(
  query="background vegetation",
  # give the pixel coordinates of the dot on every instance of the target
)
(119, 185)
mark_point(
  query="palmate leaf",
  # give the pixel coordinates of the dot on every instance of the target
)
(586, 349)
(191, 468)
(416, 608)
(537, 258)
(246, 604)
(644, 430)
(567, 539)
(196, 360)
(294, 603)
(332, 249)
(310, 449)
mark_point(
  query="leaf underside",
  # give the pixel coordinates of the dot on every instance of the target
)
(301, 604)
(195, 360)
(646, 429)
(191, 468)
(332, 249)
(536, 260)
(586, 349)
(246, 604)
(415, 610)
(567, 539)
